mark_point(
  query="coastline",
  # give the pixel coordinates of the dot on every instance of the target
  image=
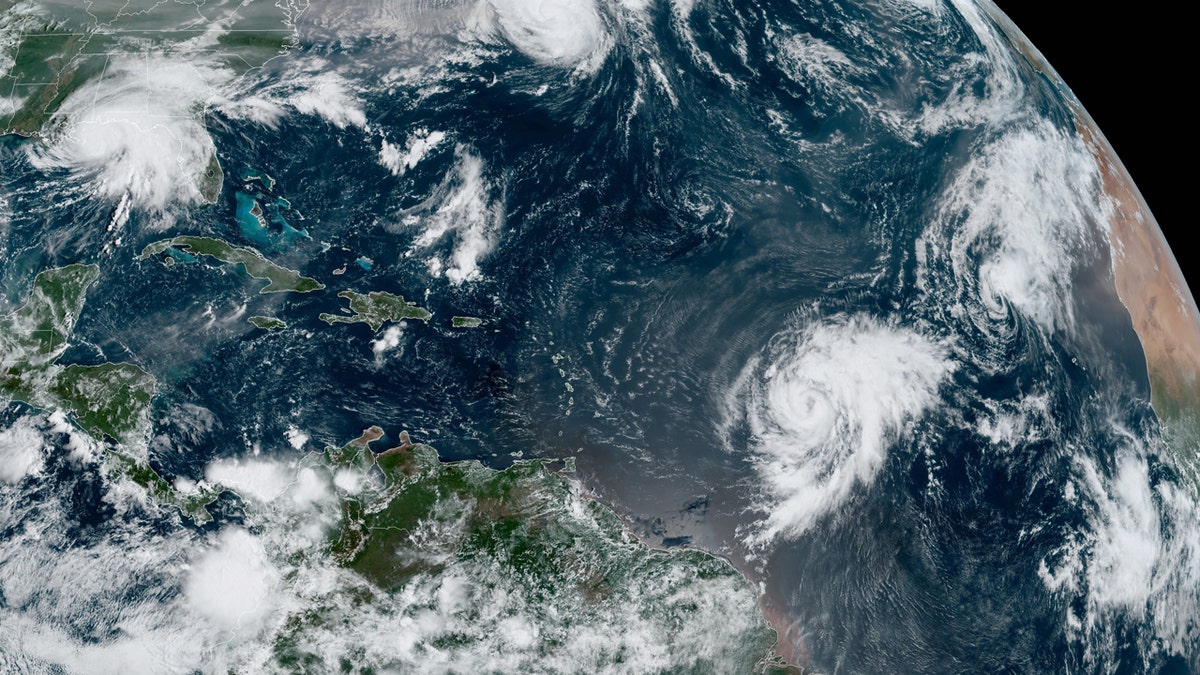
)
(1146, 276)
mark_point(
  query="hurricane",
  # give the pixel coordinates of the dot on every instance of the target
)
(592, 336)
(824, 405)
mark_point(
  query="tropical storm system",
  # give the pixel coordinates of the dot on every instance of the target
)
(580, 336)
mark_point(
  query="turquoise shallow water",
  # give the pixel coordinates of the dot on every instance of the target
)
(822, 289)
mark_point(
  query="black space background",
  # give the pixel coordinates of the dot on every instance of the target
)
(1133, 68)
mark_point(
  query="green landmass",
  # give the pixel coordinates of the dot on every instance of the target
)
(36, 333)
(466, 322)
(522, 546)
(141, 473)
(106, 400)
(267, 322)
(211, 180)
(526, 534)
(48, 68)
(281, 279)
(376, 308)
(62, 46)
(1180, 417)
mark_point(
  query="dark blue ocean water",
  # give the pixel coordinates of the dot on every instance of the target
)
(804, 164)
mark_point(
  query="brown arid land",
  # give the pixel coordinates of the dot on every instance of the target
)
(1148, 282)
(1153, 289)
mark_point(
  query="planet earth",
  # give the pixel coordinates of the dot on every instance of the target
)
(580, 336)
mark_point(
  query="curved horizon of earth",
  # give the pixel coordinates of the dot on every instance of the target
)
(751, 337)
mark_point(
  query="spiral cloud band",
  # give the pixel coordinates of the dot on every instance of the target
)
(824, 404)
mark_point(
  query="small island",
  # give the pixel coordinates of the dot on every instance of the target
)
(267, 322)
(256, 265)
(376, 308)
(466, 322)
